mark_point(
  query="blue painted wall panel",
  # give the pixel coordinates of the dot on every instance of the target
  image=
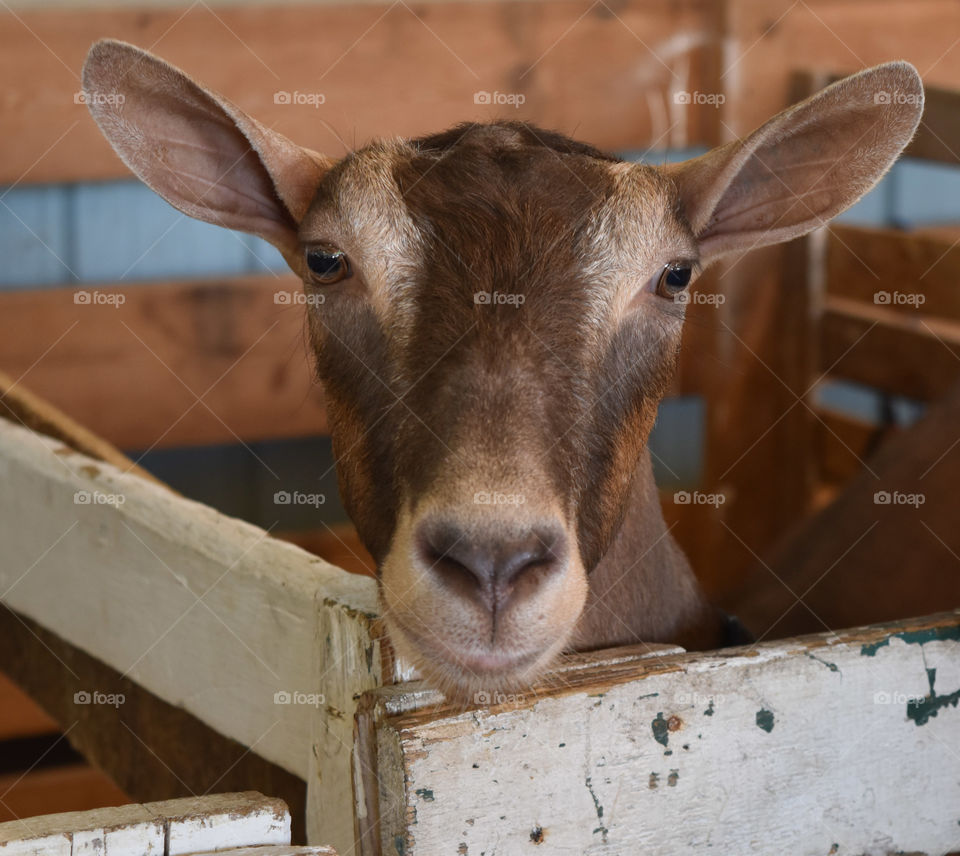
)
(34, 237)
(124, 231)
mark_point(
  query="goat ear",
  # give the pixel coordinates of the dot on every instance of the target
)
(802, 167)
(197, 150)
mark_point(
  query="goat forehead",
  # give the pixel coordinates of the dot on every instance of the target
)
(438, 227)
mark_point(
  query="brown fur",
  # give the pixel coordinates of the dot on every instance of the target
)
(437, 400)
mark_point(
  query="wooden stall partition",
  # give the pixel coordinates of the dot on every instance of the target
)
(252, 637)
(765, 356)
(772, 749)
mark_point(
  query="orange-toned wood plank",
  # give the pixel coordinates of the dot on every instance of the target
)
(74, 788)
(915, 357)
(914, 273)
(383, 70)
(131, 373)
(20, 716)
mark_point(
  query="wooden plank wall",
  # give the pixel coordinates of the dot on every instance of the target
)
(755, 425)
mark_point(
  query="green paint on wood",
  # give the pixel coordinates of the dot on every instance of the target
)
(765, 720)
(599, 809)
(399, 845)
(661, 731)
(915, 637)
(425, 794)
(833, 667)
(922, 710)
(673, 778)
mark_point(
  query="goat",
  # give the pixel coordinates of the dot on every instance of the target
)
(496, 313)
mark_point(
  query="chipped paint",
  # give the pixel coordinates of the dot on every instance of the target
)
(654, 779)
(673, 778)
(661, 729)
(921, 711)
(709, 711)
(537, 835)
(915, 637)
(765, 720)
(831, 666)
(425, 794)
(599, 809)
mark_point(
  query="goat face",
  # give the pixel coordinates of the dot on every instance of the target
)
(493, 332)
(494, 321)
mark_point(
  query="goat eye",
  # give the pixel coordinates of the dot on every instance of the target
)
(327, 265)
(674, 278)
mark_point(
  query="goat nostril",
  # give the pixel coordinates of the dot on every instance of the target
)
(492, 566)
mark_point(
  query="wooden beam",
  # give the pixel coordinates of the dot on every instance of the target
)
(151, 749)
(171, 828)
(382, 70)
(170, 363)
(887, 545)
(914, 356)
(938, 137)
(203, 611)
(843, 444)
(18, 404)
(670, 755)
(766, 41)
(912, 273)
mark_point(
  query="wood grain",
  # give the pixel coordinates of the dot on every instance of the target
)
(861, 560)
(170, 363)
(750, 750)
(914, 356)
(384, 70)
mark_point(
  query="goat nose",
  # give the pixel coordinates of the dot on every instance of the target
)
(490, 566)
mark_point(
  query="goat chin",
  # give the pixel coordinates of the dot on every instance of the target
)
(462, 685)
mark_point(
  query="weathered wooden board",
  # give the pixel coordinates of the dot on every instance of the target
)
(913, 273)
(887, 545)
(275, 850)
(370, 69)
(766, 41)
(168, 363)
(204, 611)
(150, 750)
(914, 356)
(171, 828)
(840, 743)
